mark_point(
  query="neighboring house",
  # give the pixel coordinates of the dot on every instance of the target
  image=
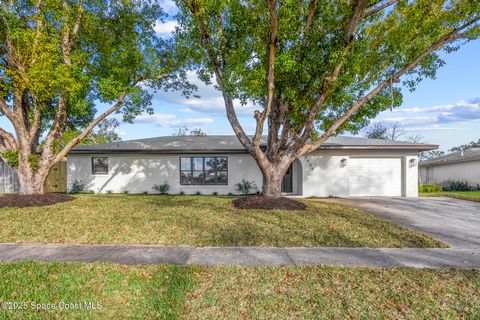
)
(460, 165)
(343, 166)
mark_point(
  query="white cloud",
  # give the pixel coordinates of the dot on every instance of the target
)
(210, 101)
(171, 120)
(436, 116)
(165, 29)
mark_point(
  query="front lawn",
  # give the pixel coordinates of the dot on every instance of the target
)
(171, 292)
(464, 195)
(200, 221)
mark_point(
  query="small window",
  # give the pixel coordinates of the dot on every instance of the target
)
(203, 170)
(100, 165)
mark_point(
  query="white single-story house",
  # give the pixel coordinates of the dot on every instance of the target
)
(343, 166)
(455, 166)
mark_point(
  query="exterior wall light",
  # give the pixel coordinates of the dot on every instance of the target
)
(413, 162)
(343, 162)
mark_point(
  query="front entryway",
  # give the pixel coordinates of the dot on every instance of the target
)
(287, 183)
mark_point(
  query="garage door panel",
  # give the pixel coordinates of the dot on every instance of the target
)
(375, 176)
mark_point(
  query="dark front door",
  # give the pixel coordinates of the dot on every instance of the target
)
(287, 183)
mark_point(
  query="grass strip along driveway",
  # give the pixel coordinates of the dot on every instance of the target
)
(464, 195)
(200, 221)
(170, 292)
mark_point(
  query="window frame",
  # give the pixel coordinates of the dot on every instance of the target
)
(100, 173)
(204, 171)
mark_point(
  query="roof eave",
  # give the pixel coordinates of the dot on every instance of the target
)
(419, 147)
(422, 147)
(155, 151)
(427, 164)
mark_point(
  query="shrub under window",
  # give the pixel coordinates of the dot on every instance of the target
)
(100, 165)
(204, 170)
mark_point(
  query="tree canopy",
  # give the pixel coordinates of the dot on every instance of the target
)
(328, 54)
(316, 68)
(60, 59)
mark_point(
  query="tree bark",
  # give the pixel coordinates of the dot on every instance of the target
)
(31, 181)
(273, 173)
(272, 186)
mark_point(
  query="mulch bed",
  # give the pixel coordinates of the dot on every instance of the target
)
(33, 200)
(258, 202)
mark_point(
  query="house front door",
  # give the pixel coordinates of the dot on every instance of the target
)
(287, 183)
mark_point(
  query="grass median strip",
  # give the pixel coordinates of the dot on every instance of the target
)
(201, 221)
(464, 195)
(172, 292)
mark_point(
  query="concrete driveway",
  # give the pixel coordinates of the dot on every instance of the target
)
(455, 222)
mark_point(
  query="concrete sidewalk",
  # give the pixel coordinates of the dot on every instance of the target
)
(245, 256)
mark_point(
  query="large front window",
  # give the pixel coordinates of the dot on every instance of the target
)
(204, 170)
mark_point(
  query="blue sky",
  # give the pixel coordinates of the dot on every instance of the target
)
(445, 111)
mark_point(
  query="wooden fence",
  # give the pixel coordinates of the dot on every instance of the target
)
(8, 179)
(56, 180)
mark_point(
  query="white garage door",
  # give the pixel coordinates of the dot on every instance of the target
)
(375, 176)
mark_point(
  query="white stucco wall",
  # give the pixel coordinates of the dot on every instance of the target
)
(137, 173)
(468, 171)
(320, 173)
(325, 175)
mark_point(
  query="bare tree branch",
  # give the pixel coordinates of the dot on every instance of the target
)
(229, 106)
(379, 8)
(78, 23)
(35, 127)
(38, 30)
(350, 29)
(8, 140)
(308, 26)
(66, 41)
(6, 110)
(261, 116)
(62, 154)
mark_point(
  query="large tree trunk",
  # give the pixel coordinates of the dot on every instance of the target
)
(31, 181)
(273, 173)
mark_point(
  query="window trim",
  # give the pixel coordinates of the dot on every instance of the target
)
(100, 173)
(204, 171)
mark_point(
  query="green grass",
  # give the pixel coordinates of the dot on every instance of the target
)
(200, 221)
(172, 292)
(464, 195)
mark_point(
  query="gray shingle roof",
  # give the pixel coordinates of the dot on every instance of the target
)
(202, 144)
(458, 156)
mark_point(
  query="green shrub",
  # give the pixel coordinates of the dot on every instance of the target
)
(457, 185)
(245, 187)
(429, 188)
(11, 157)
(198, 193)
(161, 188)
(76, 187)
(215, 193)
(182, 193)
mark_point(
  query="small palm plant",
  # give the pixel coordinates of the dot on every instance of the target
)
(77, 187)
(161, 188)
(245, 187)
